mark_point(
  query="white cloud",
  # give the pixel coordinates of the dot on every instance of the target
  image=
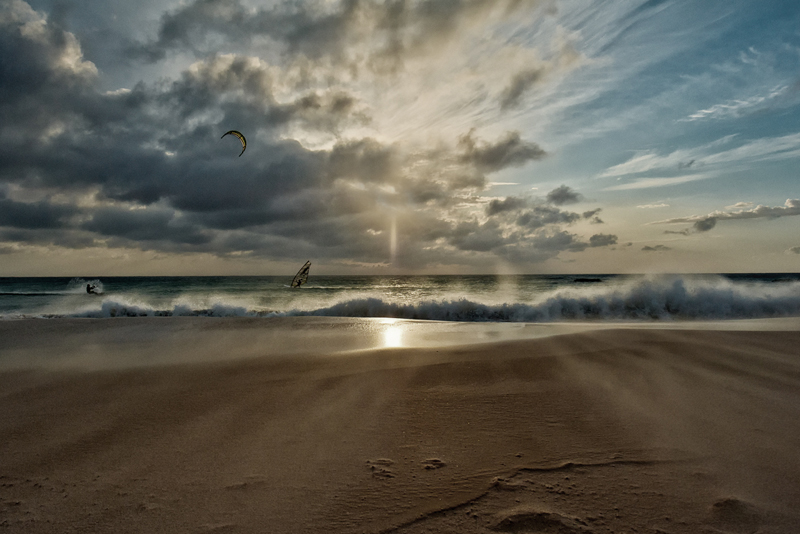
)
(646, 183)
(765, 149)
(737, 108)
(653, 206)
(791, 207)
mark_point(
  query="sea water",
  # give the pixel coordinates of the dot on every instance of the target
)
(526, 298)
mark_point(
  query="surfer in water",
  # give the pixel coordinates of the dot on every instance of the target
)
(91, 289)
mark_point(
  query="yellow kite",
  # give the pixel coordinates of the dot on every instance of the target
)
(241, 138)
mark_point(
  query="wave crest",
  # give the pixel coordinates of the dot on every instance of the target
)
(651, 298)
(648, 298)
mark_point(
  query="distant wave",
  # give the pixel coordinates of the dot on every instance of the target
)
(654, 298)
(32, 293)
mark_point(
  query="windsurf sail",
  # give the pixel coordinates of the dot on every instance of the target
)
(302, 275)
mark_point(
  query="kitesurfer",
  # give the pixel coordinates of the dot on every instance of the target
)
(90, 289)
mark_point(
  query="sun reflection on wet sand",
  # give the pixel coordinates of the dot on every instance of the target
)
(393, 334)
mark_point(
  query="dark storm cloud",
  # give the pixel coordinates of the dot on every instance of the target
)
(656, 248)
(472, 236)
(149, 144)
(557, 241)
(365, 160)
(145, 225)
(543, 215)
(152, 173)
(591, 213)
(59, 237)
(563, 195)
(41, 77)
(704, 225)
(528, 241)
(386, 33)
(602, 240)
(541, 246)
(33, 215)
(532, 230)
(156, 142)
(509, 151)
(496, 206)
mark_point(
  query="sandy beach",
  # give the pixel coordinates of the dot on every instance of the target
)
(350, 425)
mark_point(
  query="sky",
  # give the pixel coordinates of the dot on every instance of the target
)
(399, 136)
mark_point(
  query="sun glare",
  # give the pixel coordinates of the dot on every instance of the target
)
(393, 337)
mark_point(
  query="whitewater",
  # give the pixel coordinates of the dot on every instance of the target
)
(530, 298)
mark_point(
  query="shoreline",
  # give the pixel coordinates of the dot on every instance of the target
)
(87, 343)
(346, 426)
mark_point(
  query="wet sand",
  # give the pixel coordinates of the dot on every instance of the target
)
(351, 425)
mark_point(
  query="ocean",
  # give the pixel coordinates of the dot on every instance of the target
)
(524, 298)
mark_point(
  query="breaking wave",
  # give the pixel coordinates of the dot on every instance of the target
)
(652, 298)
(646, 299)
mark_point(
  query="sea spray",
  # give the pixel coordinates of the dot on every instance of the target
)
(645, 299)
(472, 298)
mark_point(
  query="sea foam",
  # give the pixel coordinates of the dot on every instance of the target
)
(642, 298)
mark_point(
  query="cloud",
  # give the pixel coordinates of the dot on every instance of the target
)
(525, 79)
(704, 225)
(653, 206)
(471, 236)
(541, 216)
(647, 183)
(563, 195)
(376, 35)
(790, 208)
(656, 248)
(708, 156)
(521, 83)
(509, 151)
(592, 215)
(143, 167)
(739, 206)
(526, 230)
(602, 240)
(146, 225)
(34, 215)
(544, 244)
(496, 206)
(779, 96)
(793, 250)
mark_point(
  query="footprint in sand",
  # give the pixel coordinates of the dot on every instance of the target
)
(527, 519)
(736, 516)
(381, 468)
(433, 463)
(505, 484)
